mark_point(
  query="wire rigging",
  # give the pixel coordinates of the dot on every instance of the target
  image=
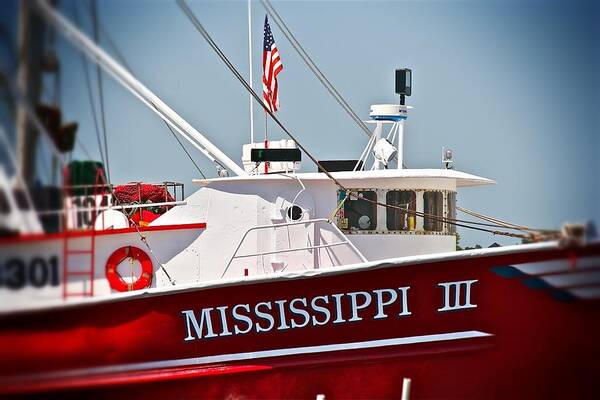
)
(94, 15)
(344, 104)
(84, 149)
(315, 69)
(86, 74)
(508, 225)
(189, 13)
(460, 223)
(119, 54)
(313, 66)
(185, 150)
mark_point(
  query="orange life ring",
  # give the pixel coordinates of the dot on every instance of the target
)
(116, 281)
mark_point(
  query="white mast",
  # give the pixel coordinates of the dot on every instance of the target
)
(250, 69)
(97, 55)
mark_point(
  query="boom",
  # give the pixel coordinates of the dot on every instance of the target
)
(112, 67)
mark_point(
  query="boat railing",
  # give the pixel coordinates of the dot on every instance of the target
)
(115, 207)
(343, 242)
(83, 204)
(99, 209)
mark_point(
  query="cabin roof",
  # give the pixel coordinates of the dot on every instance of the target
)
(462, 178)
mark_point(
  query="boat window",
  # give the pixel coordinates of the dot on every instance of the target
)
(451, 211)
(400, 220)
(4, 205)
(361, 213)
(433, 206)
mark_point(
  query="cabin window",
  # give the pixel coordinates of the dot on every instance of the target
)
(403, 219)
(433, 208)
(451, 211)
(4, 205)
(361, 213)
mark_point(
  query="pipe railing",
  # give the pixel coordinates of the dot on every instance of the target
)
(344, 241)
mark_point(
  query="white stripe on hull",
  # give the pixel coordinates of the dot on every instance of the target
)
(196, 361)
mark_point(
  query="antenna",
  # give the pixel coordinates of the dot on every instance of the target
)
(447, 158)
(403, 83)
(384, 150)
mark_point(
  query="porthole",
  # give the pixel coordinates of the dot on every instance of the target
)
(294, 213)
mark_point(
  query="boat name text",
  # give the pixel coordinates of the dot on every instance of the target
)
(300, 312)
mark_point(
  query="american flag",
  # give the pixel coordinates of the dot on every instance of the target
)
(271, 68)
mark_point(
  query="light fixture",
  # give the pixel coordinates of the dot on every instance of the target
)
(447, 158)
(384, 151)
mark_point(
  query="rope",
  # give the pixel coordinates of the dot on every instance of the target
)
(506, 224)
(200, 28)
(145, 241)
(189, 13)
(447, 220)
(313, 67)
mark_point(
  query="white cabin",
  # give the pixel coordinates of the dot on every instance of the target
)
(280, 221)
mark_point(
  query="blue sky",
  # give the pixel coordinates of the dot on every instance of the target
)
(511, 86)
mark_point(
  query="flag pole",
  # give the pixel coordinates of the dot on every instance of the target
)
(250, 68)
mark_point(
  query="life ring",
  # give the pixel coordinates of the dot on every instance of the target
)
(117, 257)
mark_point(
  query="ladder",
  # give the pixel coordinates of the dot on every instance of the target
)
(70, 253)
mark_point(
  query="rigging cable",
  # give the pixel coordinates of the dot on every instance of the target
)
(119, 54)
(83, 148)
(508, 225)
(94, 15)
(89, 90)
(189, 13)
(184, 149)
(344, 104)
(313, 67)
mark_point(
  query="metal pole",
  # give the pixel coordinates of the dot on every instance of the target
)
(98, 55)
(377, 134)
(250, 69)
(400, 144)
(406, 389)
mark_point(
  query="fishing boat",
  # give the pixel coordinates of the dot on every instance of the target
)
(268, 282)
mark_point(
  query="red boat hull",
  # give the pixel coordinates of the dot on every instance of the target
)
(521, 337)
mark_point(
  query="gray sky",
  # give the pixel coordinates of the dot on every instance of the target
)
(511, 86)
